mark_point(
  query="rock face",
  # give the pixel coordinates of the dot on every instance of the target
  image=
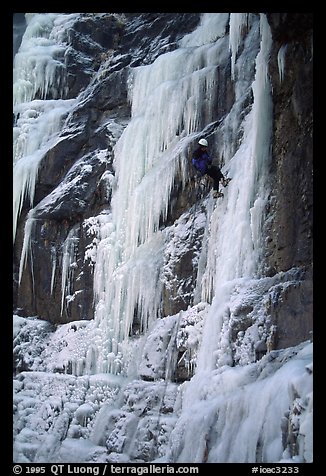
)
(76, 175)
(289, 226)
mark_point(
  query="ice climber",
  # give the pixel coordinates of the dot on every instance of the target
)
(202, 162)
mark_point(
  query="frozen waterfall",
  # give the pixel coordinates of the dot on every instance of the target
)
(170, 101)
(104, 390)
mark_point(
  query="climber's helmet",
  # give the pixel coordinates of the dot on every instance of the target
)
(203, 142)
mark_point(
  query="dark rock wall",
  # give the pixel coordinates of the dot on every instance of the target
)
(292, 171)
(289, 225)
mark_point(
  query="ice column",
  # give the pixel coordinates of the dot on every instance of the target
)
(262, 126)
(69, 254)
(281, 61)
(27, 249)
(235, 246)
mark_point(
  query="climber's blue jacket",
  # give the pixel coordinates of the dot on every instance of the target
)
(201, 160)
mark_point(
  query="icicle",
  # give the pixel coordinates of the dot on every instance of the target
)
(281, 61)
(235, 251)
(171, 351)
(69, 254)
(91, 360)
(24, 179)
(237, 22)
(54, 265)
(27, 250)
(262, 125)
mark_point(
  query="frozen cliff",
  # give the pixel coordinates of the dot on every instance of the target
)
(152, 322)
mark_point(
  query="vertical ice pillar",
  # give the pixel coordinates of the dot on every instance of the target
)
(27, 250)
(262, 126)
(236, 246)
(281, 61)
(69, 255)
